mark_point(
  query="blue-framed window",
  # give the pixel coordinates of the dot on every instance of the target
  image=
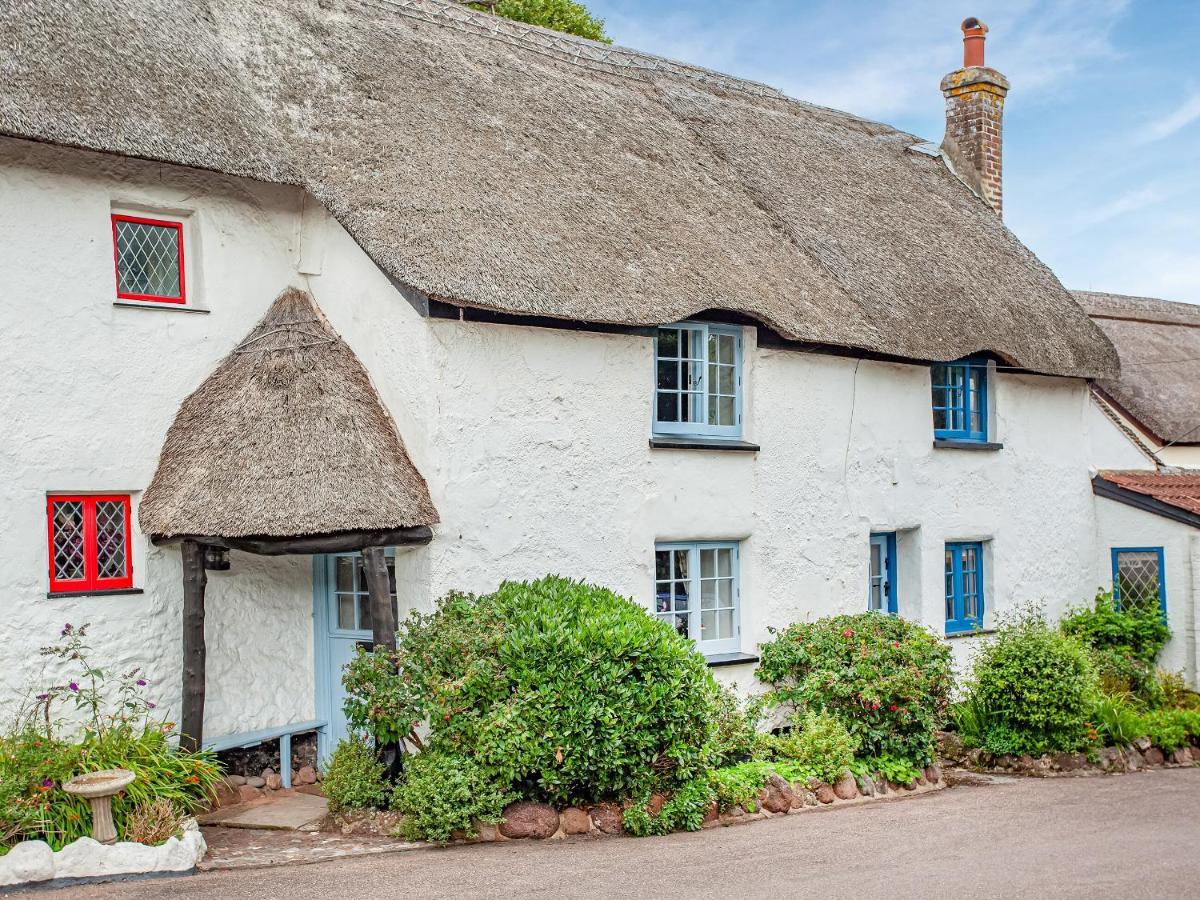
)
(960, 400)
(1139, 577)
(698, 380)
(964, 587)
(881, 585)
(696, 592)
(346, 592)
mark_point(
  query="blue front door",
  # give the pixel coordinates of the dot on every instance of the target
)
(881, 590)
(342, 622)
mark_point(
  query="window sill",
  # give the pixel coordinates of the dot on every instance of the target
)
(112, 592)
(959, 444)
(150, 304)
(729, 659)
(974, 632)
(682, 442)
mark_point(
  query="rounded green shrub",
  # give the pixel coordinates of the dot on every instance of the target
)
(887, 680)
(354, 777)
(441, 793)
(1036, 688)
(561, 691)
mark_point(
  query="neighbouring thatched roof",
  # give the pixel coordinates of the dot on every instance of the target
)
(1159, 345)
(491, 164)
(286, 437)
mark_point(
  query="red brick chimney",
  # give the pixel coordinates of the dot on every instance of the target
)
(975, 117)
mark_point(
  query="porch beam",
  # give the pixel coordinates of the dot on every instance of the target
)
(383, 617)
(191, 734)
(336, 542)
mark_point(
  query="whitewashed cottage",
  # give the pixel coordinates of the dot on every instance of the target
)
(307, 295)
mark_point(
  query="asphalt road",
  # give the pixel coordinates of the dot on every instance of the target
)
(1130, 836)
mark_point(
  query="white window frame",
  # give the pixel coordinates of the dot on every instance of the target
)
(700, 331)
(693, 548)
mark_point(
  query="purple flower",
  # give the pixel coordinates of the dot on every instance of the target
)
(66, 630)
(43, 697)
(74, 688)
(150, 705)
(47, 783)
(141, 682)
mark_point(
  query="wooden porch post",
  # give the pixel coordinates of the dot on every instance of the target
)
(383, 618)
(191, 732)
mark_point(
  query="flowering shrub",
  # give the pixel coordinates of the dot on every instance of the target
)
(40, 753)
(887, 680)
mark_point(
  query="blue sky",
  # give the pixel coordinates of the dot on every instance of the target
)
(1102, 124)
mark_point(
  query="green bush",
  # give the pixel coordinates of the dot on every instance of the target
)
(893, 768)
(1138, 632)
(886, 679)
(736, 737)
(1175, 692)
(380, 702)
(441, 793)
(354, 777)
(40, 753)
(561, 691)
(1116, 721)
(1036, 687)
(1166, 729)
(569, 16)
(821, 744)
(1123, 644)
(683, 811)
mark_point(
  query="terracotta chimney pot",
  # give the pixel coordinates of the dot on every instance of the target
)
(974, 37)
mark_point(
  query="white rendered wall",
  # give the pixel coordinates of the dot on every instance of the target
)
(534, 443)
(1119, 525)
(90, 389)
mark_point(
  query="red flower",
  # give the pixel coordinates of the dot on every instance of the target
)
(849, 633)
(192, 779)
(893, 707)
(896, 644)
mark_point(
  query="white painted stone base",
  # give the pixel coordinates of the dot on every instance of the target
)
(34, 861)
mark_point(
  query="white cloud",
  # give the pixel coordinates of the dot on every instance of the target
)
(1179, 118)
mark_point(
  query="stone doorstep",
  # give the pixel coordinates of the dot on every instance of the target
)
(286, 812)
(247, 848)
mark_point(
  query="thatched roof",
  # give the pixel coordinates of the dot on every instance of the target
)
(286, 437)
(1159, 345)
(491, 164)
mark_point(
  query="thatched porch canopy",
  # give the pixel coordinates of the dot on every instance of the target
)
(285, 448)
(287, 438)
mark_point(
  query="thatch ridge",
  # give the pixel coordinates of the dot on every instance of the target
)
(286, 437)
(497, 165)
(1159, 345)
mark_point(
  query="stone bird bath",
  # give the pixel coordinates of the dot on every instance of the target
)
(98, 788)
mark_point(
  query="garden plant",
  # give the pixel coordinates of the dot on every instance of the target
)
(110, 724)
(565, 693)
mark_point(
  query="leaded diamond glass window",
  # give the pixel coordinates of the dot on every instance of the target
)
(1138, 579)
(149, 256)
(696, 593)
(89, 543)
(67, 520)
(110, 539)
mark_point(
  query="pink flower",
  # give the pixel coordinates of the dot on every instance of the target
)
(141, 682)
(74, 688)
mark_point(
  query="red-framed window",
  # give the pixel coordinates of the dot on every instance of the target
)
(148, 255)
(90, 541)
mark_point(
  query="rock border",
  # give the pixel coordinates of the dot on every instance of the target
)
(526, 820)
(1136, 757)
(33, 862)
